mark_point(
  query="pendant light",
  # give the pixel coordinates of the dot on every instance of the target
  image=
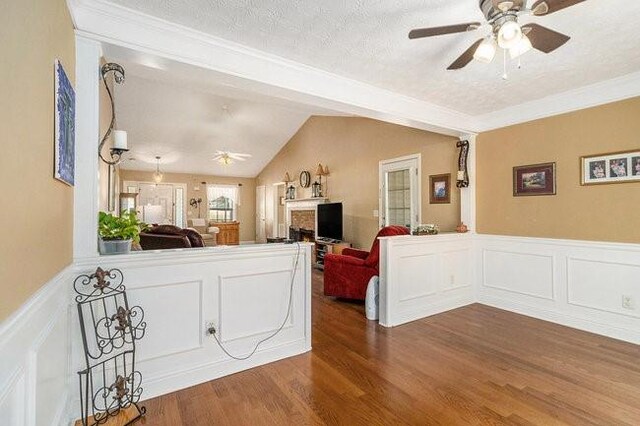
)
(157, 176)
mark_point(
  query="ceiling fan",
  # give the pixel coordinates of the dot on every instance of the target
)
(227, 157)
(502, 17)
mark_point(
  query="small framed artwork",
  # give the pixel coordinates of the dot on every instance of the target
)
(614, 167)
(440, 189)
(65, 127)
(534, 179)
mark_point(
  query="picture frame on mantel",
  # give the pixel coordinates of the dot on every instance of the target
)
(534, 180)
(612, 167)
(440, 189)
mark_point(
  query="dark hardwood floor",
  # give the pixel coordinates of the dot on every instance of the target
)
(474, 365)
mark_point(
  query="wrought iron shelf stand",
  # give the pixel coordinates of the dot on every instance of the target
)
(110, 383)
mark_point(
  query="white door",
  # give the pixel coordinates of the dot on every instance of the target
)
(261, 219)
(400, 191)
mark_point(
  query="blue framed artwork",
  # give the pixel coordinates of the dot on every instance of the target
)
(65, 127)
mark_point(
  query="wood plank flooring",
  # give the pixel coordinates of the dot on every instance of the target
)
(475, 365)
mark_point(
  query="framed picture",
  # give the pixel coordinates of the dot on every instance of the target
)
(440, 189)
(534, 179)
(65, 128)
(614, 167)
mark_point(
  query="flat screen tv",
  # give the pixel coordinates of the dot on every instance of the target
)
(329, 221)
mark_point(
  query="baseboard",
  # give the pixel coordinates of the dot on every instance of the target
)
(427, 311)
(627, 335)
(181, 379)
(247, 242)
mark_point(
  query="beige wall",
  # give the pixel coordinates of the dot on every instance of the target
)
(352, 147)
(247, 194)
(37, 218)
(601, 212)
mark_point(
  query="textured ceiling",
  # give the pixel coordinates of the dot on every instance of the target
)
(367, 40)
(184, 121)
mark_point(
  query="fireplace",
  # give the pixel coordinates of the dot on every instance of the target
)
(301, 218)
(301, 234)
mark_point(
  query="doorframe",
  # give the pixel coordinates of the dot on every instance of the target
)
(276, 206)
(418, 202)
(264, 209)
(126, 183)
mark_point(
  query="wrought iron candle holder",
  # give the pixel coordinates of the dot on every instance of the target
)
(110, 328)
(462, 180)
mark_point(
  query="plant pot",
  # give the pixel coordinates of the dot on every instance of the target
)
(114, 246)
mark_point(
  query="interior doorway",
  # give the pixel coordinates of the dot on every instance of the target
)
(162, 203)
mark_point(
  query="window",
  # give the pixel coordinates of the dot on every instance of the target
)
(223, 202)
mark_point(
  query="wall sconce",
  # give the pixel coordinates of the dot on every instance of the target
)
(119, 136)
(462, 179)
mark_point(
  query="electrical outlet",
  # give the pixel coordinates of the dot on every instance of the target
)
(376, 213)
(452, 279)
(210, 328)
(627, 302)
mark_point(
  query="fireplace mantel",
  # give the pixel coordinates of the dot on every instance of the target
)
(301, 204)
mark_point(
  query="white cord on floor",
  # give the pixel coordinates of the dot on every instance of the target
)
(272, 335)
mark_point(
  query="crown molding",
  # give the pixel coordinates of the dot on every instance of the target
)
(120, 26)
(272, 75)
(604, 92)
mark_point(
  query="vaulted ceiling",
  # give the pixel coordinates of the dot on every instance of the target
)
(367, 41)
(183, 117)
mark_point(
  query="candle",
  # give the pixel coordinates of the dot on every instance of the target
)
(119, 139)
(460, 175)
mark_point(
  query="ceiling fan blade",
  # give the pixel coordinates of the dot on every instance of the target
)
(466, 57)
(544, 39)
(547, 7)
(505, 5)
(449, 29)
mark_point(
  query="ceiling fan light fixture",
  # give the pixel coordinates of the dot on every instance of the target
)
(509, 34)
(522, 47)
(486, 51)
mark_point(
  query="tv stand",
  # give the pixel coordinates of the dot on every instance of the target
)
(327, 245)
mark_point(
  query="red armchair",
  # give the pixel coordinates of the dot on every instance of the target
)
(346, 275)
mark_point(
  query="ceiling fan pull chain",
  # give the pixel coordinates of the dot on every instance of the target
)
(505, 76)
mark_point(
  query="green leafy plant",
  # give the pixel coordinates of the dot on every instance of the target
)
(125, 227)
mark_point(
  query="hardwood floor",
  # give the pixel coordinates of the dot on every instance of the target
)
(473, 365)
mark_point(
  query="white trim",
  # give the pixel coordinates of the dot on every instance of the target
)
(277, 76)
(121, 26)
(600, 93)
(87, 185)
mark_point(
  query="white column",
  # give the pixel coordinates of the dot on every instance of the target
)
(86, 199)
(468, 195)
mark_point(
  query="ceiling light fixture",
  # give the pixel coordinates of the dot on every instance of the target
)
(523, 46)
(225, 160)
(157, 176)
(486, 51)
(509, 34)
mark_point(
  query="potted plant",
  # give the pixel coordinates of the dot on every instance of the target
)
(117, 233)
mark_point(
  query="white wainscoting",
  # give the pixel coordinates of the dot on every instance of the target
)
(575, 283)
(243, 291)
(424, 275)
(34, 358)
